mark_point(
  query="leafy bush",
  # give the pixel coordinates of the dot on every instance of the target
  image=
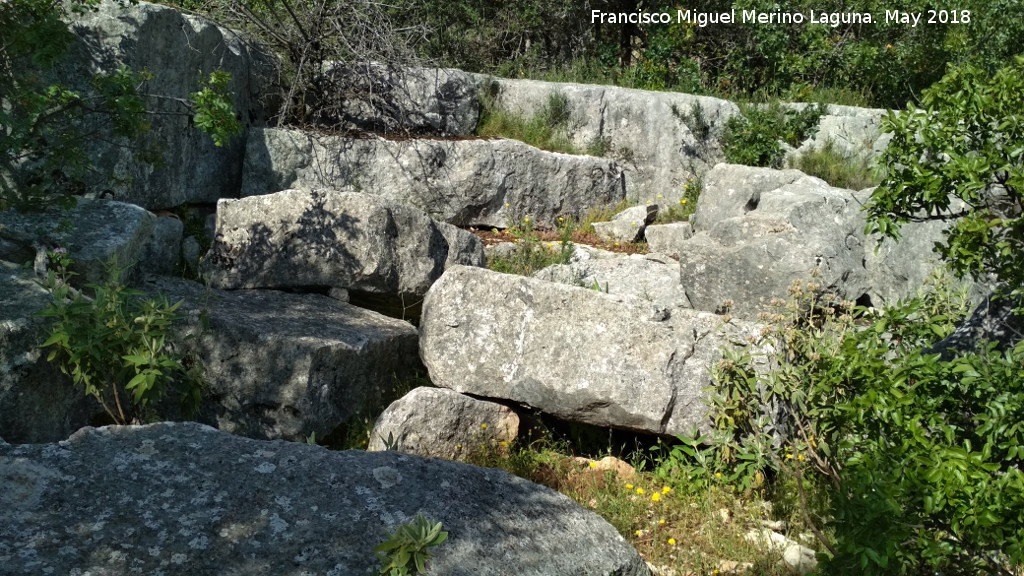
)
(963, 144)
(115, 341)
(854, 172)
(407, 550)
(754, 138)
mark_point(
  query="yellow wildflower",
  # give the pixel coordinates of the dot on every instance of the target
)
(666, 490)
(655, 497)
(593, 464)
(639, 490)
(629, 486)
(484, 426)
(671, 541)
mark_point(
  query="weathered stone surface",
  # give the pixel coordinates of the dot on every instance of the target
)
(93, 233)
(895, 269)
(37, 402)
(440, 423)
(463, 182)
(991, 321)
(628, 225)
(651, 278)
(325, 238)
(659, 152)
(732, 190)
(162, 251)
(852, 131)
(575, 353)
(179, 51)
(667, 238)
(281, 365)
(797, 558)
(383, 98)
(753, 258)
(182, 499)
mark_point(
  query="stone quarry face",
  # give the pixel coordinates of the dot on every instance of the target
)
(328, 239)
(575, 353)
(185, 498)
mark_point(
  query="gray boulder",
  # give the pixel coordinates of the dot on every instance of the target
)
(323, 239)
(462, 182)
(179, 51)
(628, 225)
(851, 131)
(37, 402)
(281, 365)
(94, 232)
(373, 96)
(667, 238)
(753, 258)
(578, 354)
(180, 499)
(651, 278)
(162, 251)
(659, 147)
(440, 423)
(994, 320)
(732, 190)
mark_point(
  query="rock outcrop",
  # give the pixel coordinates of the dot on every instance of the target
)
(328, 239)
(652, 278)
(628, 225)
(95, 234)
(464, 182)
(440, 423)
(37, 402)
(182, 499)
(851, 131)
(281, 365)
(179, 51)
(574, 353)
(657, 136)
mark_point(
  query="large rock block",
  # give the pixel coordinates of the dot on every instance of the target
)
(851, 131)
(326, 238)
(37, 402)
(463, 182)
(372, 96)
(179, 51)
(660, 149)
(732, 190)
(753, 258)
(574, 353)
(651, 278)
(95, 233)
(440, 423)
(281, 365)
(183, 499)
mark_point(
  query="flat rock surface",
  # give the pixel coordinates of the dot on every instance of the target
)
(185, 499)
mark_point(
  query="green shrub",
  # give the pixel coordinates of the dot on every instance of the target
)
(530, 254)
(547, 130)
(407, 550)
(115, 342)
(854, 172)
(685, 207)
(963, 143)
(754, 137)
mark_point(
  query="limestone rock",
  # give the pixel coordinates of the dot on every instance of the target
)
(574, 353)
(281, 365)
(325, 238)
(628, 225)
(93, 232)
(440, 423)
(383, 98)
(797, 558)
(852, 131)
(463, 182)
(667, 238)
(182, 498)
(659, 147)
(732, 190)
(37, 402)
(753, 258)
(162, 251)
(993, 320)
(179, 51)
(651, 278)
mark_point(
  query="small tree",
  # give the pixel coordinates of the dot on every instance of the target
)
(960, 158)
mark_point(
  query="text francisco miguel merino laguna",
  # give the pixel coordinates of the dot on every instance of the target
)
(833, 19)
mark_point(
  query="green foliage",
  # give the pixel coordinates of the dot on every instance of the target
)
(685, 206)
(547, 130)
(754, 138)
(854, 172)
(963, 144)
(530, 253)
(407, 550)
(45, 127)
(214, 113)
(115, 341)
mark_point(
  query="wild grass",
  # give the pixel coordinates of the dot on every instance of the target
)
(547, 130)
(842, 170)
(684, 207)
